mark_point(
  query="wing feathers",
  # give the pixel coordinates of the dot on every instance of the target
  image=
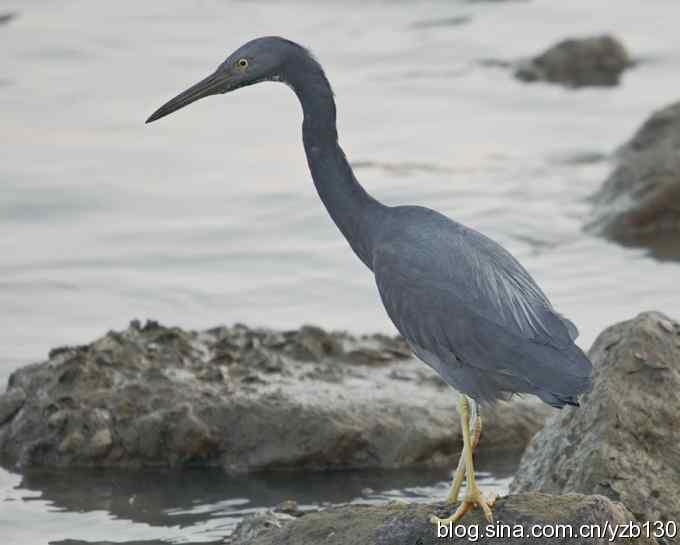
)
(467, 303)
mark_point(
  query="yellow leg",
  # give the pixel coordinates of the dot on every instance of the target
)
(473, 496)
(460, 470)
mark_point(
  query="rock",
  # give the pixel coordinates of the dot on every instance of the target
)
(6, 17)
(10, 403)
(592, 61)
(408, 524)
(257, 524)
(100, 443)
(639, 202)
(72, 443)
(623, 442)
(136, 542)
(242, 399)
(289, 507)
(312, 343)
(441, 22)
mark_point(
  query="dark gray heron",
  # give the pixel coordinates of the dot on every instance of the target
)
(466, 307)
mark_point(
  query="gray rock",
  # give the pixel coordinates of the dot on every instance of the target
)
(258, 524)
(639, 202)
(10, 403)
(136, 542)
(242, 399)
(408, 524)
(592, 61)
(623, 442)
(6, 17)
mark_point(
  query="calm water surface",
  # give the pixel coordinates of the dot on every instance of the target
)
(196, 506)
(210, 216)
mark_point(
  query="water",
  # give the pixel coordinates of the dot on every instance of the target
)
(197, 506)
(210, 217)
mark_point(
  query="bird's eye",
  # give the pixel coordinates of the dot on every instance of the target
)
(242, 63)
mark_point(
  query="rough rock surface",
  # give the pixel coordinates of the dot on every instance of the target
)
(592, 61)
(243, 399)
(408, 524)
(623, 442)
(136, 542)
(640, 200)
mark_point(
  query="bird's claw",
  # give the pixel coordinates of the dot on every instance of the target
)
(473, 498)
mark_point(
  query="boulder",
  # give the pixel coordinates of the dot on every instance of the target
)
(639, 202)
(580, 62)
(243, 399)
(408, 524)
(623, 442)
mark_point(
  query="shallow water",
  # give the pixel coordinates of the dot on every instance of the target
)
(209, 216)
(195, 505)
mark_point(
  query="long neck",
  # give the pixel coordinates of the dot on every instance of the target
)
(353, 210)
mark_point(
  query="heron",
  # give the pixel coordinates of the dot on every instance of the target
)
(465, 306)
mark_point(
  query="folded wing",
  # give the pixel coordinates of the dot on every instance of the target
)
(472, 312)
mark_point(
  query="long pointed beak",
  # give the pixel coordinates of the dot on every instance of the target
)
(214, 84)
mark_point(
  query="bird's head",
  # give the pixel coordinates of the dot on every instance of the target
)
(264, 59)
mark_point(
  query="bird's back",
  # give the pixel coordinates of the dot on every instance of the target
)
(472, 312)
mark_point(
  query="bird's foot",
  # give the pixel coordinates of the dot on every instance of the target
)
(473, 498)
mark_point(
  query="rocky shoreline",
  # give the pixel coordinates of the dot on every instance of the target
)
(613, 461)
(408, 524)
(242, 399)
(623, 443)
(248, 399)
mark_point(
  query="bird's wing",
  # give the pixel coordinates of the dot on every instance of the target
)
(506, 291)
(462, 271)
(451, 291)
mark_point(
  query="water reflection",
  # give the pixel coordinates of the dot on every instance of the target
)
(203, 505)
